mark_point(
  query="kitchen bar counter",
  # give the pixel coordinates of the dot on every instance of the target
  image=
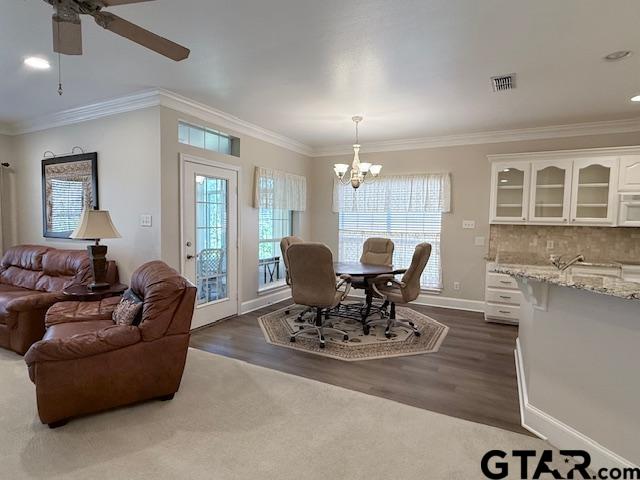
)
(602, 284)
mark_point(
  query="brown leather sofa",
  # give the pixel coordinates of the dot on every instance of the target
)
(85, 363)
(32, 278)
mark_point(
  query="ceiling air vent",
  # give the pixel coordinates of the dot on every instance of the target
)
(502, 83)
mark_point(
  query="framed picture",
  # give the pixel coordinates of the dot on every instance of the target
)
(69, 185)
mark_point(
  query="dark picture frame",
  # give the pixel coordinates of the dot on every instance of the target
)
(77, 177)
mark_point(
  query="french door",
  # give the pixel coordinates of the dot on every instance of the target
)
(210, 238)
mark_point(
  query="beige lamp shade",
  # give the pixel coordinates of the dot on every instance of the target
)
(95, 225)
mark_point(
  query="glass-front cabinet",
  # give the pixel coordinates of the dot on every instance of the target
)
(550, 191)
(630, 210)
(510, 192)
(594, 191)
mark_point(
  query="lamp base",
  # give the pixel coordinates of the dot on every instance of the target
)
(98, 259)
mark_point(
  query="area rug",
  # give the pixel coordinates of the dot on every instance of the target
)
(278, 326)
(232, 420)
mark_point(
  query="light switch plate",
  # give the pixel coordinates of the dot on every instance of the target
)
(145, 220)
(468, 224)
(478, 241)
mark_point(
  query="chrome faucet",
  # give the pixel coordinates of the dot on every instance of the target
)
(556, 260)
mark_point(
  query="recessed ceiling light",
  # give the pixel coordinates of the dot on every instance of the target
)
(619, 55)
(636, 98)
(37, 63)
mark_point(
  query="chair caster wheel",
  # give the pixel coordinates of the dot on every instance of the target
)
(417, 334)
(366, 329)
(292, 339)
(387, 334)
(287, 312)
(345, 338)
(322, 345)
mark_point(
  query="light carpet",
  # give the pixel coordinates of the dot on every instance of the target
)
(233, 420)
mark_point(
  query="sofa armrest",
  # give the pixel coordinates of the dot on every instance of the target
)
(33, 302)
(83, 345)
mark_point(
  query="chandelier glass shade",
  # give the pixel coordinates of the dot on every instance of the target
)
(360, 172)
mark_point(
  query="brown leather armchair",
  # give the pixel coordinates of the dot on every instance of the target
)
(32, 278)
(86, 364)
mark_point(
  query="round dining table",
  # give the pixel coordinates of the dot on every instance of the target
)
(366, 271)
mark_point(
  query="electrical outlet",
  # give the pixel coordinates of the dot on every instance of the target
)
(145, 220)
(456, 285)
(550, 244)
(468, 224)
(478, 241)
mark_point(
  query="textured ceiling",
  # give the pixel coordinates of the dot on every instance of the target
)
(302, 68)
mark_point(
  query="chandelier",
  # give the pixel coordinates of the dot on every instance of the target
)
(359, 170)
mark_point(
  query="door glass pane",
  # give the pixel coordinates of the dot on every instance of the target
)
(510, 193)
(593, 192)
(549, 184)
(211, 238)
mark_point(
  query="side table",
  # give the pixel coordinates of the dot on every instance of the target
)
(83, 293)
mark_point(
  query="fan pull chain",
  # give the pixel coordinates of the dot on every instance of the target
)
(60, 91)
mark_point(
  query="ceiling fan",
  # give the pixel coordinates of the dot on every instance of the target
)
(67, 30)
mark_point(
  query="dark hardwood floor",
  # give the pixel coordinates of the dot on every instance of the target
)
(472, 376)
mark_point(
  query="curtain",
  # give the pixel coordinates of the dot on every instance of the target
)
(279, 190)
(421, 193)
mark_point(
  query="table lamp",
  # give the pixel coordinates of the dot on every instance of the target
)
(95, 225)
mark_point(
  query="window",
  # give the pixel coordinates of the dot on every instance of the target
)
(67, 202)
(276, 196)
(207, 139)
(408, 210)
(273, 225)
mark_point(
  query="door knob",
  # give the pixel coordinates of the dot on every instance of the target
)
(190, 257)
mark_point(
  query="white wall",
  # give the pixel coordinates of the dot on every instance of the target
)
(253, 153)
(128, 147)
(461, 260)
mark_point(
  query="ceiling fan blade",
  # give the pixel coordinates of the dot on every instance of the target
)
(141, 36)
(67, 36)
(113, 3)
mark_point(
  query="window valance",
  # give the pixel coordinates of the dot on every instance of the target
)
(280, 190)
(420, 193)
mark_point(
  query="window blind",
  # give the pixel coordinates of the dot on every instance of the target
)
(67, 199)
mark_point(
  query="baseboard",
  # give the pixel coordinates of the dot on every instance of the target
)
(265, 300)
(559, 434)
(438, 301)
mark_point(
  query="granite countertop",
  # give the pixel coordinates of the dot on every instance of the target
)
(603, 284)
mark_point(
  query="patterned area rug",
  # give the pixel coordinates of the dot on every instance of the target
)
(279, 325)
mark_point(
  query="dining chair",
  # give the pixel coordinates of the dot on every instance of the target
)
(313, 284)
(375, 251)
(285, 243)
(405, 291)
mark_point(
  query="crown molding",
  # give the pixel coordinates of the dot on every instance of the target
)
(93, 111)
(147, 99)
(227, 121)
(497, 136)
(565, 154)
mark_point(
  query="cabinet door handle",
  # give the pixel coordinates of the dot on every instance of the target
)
(505, 297)
(504, 311)
(506, 282)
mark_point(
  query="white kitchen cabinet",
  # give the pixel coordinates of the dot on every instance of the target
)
(550, 191)
(502, 297)
(594, 193)
(629, 175)
(510, 192)
(629, 210)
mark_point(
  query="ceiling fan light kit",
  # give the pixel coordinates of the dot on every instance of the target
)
(359, 170)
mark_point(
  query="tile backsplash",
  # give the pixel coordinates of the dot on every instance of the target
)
(597, 244)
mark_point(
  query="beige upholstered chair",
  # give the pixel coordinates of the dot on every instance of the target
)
(404, 291)
(377, 251)
(285, 243)
(313, 283)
